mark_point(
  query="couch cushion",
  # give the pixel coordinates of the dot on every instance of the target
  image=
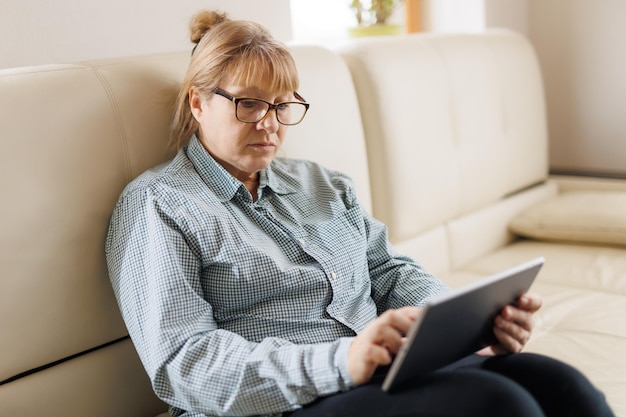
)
(60, 172)
(582, 318)
(577, 216)
(455, 244)
(454, 124)
(107, 382)
(73, 135)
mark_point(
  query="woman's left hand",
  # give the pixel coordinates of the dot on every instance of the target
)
(513, 326)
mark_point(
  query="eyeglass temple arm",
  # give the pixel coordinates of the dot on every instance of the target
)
(299, 97)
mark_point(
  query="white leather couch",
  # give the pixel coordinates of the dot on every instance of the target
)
(445, 136)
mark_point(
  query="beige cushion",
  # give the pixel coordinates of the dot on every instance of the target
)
(583, 216)
(453, 111)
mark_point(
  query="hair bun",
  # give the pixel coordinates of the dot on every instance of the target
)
(202, 22)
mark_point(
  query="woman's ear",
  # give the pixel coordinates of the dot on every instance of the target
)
(195, 103)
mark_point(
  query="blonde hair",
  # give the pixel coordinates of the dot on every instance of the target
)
(237, 51)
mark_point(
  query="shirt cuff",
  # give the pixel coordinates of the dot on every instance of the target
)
(341, 361)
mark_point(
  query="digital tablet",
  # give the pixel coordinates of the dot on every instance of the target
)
(458, 323)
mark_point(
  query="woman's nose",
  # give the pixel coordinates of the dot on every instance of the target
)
(270, 121)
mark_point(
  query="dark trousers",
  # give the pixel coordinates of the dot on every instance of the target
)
(519, 385)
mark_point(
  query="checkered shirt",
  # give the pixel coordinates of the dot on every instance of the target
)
(241, 307)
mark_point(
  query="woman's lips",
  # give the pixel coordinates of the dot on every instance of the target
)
(269, 146)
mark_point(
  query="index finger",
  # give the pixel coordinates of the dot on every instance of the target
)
(401, 319)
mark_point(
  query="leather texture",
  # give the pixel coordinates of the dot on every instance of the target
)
(576, 216)
(444, 135)
(455, 108)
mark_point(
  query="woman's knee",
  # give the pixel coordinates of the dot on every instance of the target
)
(489, 394)
(558, 387)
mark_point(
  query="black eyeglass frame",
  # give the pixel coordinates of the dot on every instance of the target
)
(270, 106)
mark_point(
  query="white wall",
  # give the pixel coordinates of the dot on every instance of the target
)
(474, 15)
(580, 44)
(453, 15)
(58, 31)
(581, 48)
(512, 14)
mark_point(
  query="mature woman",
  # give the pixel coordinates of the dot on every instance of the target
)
(253, 285)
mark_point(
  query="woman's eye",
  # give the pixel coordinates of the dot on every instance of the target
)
(250, 104)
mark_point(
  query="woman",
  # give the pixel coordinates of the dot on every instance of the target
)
(253, 285)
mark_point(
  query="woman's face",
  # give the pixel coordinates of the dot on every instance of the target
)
(243, 149)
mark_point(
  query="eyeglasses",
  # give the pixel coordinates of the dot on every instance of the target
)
(253, 110)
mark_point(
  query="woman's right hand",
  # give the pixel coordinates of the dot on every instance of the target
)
(379, 342)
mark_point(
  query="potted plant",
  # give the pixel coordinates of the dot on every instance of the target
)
(372, 17)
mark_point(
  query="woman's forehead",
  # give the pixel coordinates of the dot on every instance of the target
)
(262, 91)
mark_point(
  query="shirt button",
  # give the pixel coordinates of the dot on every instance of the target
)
(333, 275)
(302, 242)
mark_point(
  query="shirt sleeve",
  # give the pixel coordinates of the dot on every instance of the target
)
(397, 280)
(192, 364)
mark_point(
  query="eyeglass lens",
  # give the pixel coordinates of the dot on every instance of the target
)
(252, 110)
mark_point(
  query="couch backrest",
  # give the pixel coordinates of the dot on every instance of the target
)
(453, 123)
(72, 137)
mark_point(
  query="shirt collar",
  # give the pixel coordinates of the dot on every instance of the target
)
(276, 178)
(224, 184)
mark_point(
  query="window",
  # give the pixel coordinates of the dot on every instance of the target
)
(321, 21)
(327, 21)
